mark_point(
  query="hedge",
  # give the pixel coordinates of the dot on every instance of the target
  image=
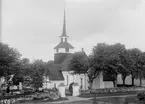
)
(118, 89)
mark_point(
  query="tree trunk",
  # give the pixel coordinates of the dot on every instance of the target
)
(132, 81)
(91, 84)
(115, 83)
(123, 78)
(90, 87)
(140, 81)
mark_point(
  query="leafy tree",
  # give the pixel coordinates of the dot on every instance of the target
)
(124, 65)
(9, 59)
(135, 57)
(79, 63)
(140, 66)
(23, 69)
(38, 68)
(107, 58)
(17, 78)
(97, 61)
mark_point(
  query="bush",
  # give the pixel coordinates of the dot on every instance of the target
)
(141, 95)
(118, 89)
(44, 95)
(28, 91)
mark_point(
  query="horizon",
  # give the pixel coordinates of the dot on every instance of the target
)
(33, 27)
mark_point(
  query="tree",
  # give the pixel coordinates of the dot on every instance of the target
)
(135, 69)
(23, 69)
(124, 65)
(97, 61)
(38, 68)
(9, 59)
(107, 58)
(79, 63)
(17, 78)
(140, 66)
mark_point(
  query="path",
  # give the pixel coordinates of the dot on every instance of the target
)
(73, 98)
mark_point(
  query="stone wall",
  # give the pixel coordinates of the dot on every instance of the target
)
(52, 84)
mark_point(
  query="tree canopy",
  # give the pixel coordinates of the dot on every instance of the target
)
(79, 63)
(9, 60)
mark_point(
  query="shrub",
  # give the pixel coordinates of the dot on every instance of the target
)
(118, 89)
(28, 91)
(141, 95)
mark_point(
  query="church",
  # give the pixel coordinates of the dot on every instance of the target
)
(59, 71)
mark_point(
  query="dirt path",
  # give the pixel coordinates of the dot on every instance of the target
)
(73, 98)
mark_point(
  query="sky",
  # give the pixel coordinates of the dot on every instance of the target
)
(33, 27)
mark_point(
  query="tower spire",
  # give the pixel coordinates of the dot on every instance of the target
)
(64, 26)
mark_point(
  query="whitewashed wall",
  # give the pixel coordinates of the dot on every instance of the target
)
(108, 84)
(76, 79)
(48, 84)
(51, 84)
(98, 82)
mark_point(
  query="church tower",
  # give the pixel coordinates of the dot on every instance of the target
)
(64, 47)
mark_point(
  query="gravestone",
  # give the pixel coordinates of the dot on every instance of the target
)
(20, 85)
(61, 89)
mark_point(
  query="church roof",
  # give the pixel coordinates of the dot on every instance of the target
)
(66, 62)
(64, 45)
(55, 73)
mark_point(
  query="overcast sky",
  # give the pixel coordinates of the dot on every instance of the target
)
(34, 26)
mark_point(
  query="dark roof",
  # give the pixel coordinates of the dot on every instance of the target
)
(65, 63)
(64, 45)
(55, 73)
(61, 57)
